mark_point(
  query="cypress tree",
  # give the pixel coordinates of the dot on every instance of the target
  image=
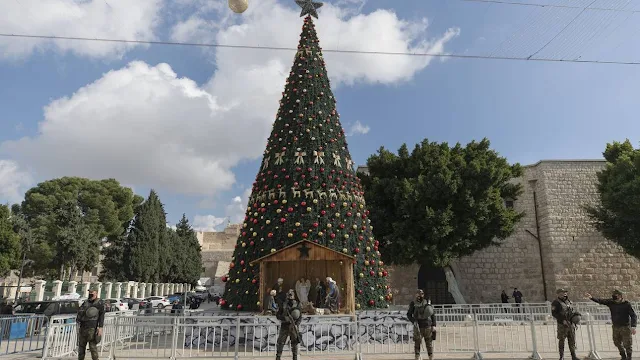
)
(144, 254)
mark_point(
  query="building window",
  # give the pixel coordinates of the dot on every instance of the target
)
(508, 204)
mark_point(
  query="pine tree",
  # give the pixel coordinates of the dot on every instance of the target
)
(143, 254)
(307, 187)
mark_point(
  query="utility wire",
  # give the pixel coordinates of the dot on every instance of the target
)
(563, 29)
(505, 2)
(277, 48)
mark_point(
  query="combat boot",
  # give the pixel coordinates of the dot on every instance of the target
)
(629, 352)
(574, 356)
(418, 357)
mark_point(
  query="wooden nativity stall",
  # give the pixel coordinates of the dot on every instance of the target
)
(306, 259)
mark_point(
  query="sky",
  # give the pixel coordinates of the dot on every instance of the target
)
(192, 122)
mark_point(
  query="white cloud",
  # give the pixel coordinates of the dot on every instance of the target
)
(146, 126)
(13, 182)
(207, 223)
(141, 125)
(234, 213)
(237, 209)
(119, 19)
(358, 129)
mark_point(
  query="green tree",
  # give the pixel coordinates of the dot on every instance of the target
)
(9, 243)
(616, 214)
(143, 249)
(77, 244)
(103, 205)
(190, 255)
(439, 202)
(306, 187)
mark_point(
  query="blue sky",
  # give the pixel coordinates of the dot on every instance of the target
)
(192, 123)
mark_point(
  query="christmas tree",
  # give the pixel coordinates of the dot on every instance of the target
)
(306, 188)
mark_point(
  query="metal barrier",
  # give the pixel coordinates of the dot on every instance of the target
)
(369, 334)
(22, 333)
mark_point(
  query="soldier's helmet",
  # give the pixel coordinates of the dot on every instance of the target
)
(617, 292)
(576, 318)
(295, 314)
(561, 291)
(92, 312)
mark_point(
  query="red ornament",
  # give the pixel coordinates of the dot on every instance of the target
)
(223, 302)
(241, 262)
(357, 250)
(240, 306)
(283, 220)
(371, 303)
(224, 279)
(254, 281)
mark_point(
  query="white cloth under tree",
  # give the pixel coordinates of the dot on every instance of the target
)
(302, 289)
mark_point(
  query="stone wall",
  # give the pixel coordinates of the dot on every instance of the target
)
(217, 251)
(580, 259)
(515, 263)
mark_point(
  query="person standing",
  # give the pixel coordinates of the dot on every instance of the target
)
(517, 297)
(90, 320)
(290, 316)
(423, 317)
(321, 293)
(623, 319)
(562, 310)
(504, 297)
(333, 296)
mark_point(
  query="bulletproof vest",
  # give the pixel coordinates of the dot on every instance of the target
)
(566, 307)
(422, 310)
(89, 311)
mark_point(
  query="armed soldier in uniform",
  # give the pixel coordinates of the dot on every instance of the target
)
(423, 317)
(563, 311)
(90, 320)
(290, 316)
(624, 321)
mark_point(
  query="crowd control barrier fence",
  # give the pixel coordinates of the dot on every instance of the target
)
(527, 332)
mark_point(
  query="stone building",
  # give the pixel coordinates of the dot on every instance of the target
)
(217, 251)
(554, 246)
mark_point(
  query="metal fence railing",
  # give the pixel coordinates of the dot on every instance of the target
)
(19, 334)
(171, 336)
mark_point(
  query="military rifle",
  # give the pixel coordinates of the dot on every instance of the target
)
(293, 328)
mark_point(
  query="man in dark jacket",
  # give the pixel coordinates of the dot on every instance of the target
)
(90, 320)
(624, 321)
(504, 297)
(562, 310)
(290, 317)
(423, 317)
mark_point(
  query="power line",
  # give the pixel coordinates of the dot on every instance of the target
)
(278, 48)
(505, 2)
(561, 31)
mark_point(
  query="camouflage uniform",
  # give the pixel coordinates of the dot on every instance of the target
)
(562, 310)
(90, 318)
(623, 319)
(422, 315)
(289, 314)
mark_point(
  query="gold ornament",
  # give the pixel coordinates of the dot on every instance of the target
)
(238, 6)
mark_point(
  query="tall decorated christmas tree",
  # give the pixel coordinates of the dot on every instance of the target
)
(306, 188)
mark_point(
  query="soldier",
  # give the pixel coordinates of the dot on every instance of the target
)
(624, 321)
(290, 316)
(562, 310)
(90, 320)
(423, 317)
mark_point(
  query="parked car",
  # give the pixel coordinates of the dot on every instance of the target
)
(117, 304)
(174, 297)
(156, 301)
(49, 308)
(131, 302)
